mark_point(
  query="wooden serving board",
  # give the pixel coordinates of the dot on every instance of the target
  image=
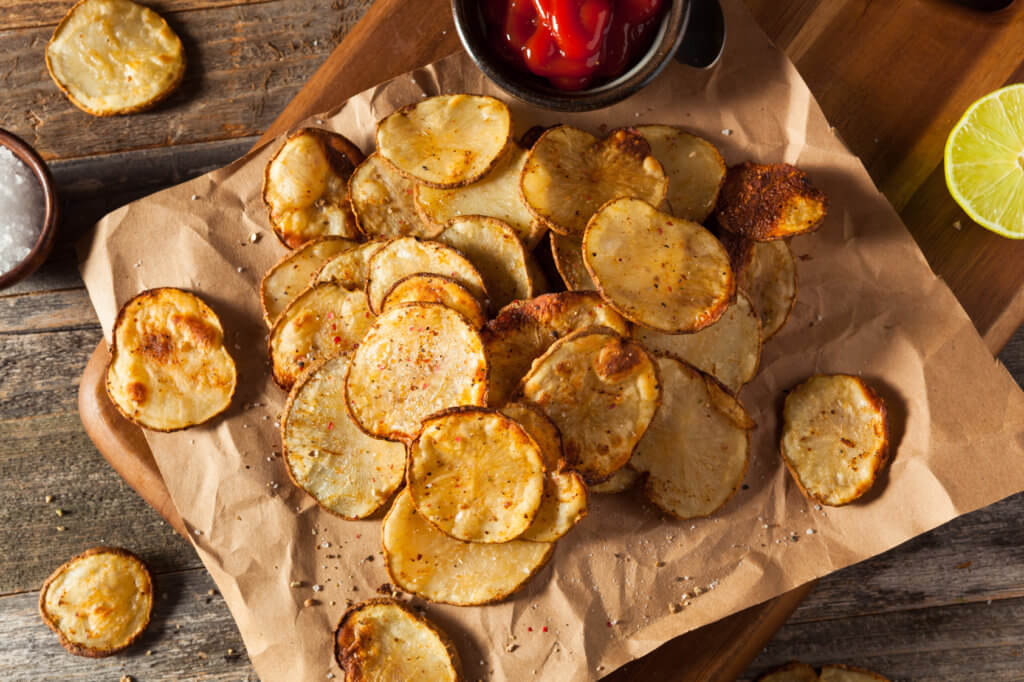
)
(873, 69)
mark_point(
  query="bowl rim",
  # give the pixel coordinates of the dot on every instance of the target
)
(44, 242)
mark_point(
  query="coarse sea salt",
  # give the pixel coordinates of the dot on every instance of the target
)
(21, 210)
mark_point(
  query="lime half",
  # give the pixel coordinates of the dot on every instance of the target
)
(984, 161)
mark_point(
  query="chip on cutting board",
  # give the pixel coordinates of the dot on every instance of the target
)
(347, 472)
(169, 368)
(424, 561)
(835, 437)
(694, 168)
(766, 271)
(447, 140)
(769, 201)
(349, 268)
(497, 253)
(426, 288)
(381, 640)
(283, 282)
(104, 76)
(382, 199)
(567, 252)
(99, 602)
(409, 256)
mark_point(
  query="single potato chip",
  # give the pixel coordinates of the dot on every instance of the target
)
(382, 640)
(421, 288)
(475, 475)
(496, 252)
(601, 391)
(769, 201)
(766, 271)
(347, 472)
(424, 561)
(169, 368)
(729, 349)
(350, 268)
(323, 320)
(382, 199)
(659, 271)
(621, 481)
(790, 672)
(694, 168)
(838, 672)
(835, 437)
(305, 187)
(569, 174)
(99, 602)
(114, 57)
(408, 256)
(293, 273)
(695, 454)
(417, 359)
(567, 252)
(447, 140)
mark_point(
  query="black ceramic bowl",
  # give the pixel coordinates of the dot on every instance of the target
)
(48, 230)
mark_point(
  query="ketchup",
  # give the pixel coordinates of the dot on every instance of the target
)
(572, 43)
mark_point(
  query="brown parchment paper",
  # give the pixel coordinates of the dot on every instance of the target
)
(868, 304)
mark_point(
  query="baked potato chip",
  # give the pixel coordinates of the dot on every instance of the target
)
(104, 76)
(694, 168)
(621, 481)
(790, 672)
(424, 561)
(422, 288)
(729, 349)
(567, 252)
(447, 140)
(766, 271)
(835, 437)
(409, 256)
(769, 201)
(382, 639)
(601, 391)
(569, 174)
(838, 672)
(169, 368)
(323, 320)
(382, 199)
(523, 330)
(659, 271)
(496, 252)
(695, 455)
(347, 472)
(305, 187)
(475, 475)
(350, 268)
(293, 273)
(417, 359)
(99, 602)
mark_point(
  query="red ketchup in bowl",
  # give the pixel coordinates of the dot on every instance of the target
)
(572, 43)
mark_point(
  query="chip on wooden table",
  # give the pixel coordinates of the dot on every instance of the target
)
(169, 368)
(293, 273)
(793, 671)
(567, 252)
(409, 256)
(840, 672)
(769, 201)
(382, 199)
(99, 602)
(694, 168)
(497, 253)
(382, 639)
(621, 481)
(349, 268)
(424, 561)
(835, 437)
(426, 288)
(766, 271)
(347, 472)
(104, 76)
(447, 140)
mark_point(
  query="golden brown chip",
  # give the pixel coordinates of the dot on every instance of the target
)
(104, 76)
(382, 199)
(382, 639)
(293, 273)
(766, 271)
(347, 472)
(409, 256)
(663, 272)
(621, 481)
(601, 391)
(476, 475)
(169, 368)
(99, 602)
(416, 360)
(424, 561)
(790, 672)
(835, 437)
(496, 252)
(838, 672)
(305, 187)
(447, 140)
(569, 174)
(567, 252)
(350, 268)
(694, 168)
(422, 288)
(769, 201)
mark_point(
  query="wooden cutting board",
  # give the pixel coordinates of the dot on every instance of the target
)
(875, 71)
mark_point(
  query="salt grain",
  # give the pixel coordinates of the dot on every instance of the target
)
(22, 210)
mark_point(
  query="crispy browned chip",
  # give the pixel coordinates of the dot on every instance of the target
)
(621, 481)
(694, 168)
(839, 672)
(790, 672)
(382, 199)
(766, 271)
(293, 273)
(567, 252)
(422, 288)
(409, 256)
(169, 368)
(497, 253)
(99, 602)
(350, 268)
(835, 437)
(769, 201)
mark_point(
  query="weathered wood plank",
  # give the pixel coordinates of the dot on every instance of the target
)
(41, 371)
(48, 311)
(29, 14)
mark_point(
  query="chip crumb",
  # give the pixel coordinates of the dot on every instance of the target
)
(202, 655)
(149, 652)
(511, 647)
(49, 499)
(957, 225)
(254, 237)
(195, 197)
(309, 602)
(295, 583)
(61, 529)
(211, 592)
(727, 131)
(659, 564)
(60, 512)
(127, 678)
(231, 652)
(810, 531)
(675, 608)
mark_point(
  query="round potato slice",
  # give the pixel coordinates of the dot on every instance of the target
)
(417, 359)
(729, 349)
(838, 672)
(347, 472)
(293, 273)
(476, 475)
(769, 201)
(103, 76)
(323, 320)
(621, 481)
(436, 289)
(305, 187)
(835, 437)
(382, 199)
(569, 174)
(349, 268)
(601, 391)
(790, 672)
(663, 272)
(382, 639)
(424, 561)
(496, 252)
(99, 602)
(768, 274)
(447, 140)
(169, 368)
(695, 454)
(567, 252)
(694, 168)
(408, 256)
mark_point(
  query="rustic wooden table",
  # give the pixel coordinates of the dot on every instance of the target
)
(948, 605)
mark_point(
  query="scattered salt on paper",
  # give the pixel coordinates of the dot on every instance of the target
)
(21, 210)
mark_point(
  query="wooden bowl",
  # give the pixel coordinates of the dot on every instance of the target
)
(44, 243)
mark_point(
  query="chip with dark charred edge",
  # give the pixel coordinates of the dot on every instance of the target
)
(839, 672)
(382, 199)
(422, 288)
(769, 201)
(496, 252)
(793, 671)
(766, 271)
(293, 273)
(349, 268)
(567, 252)
(409, 256)
(694, 168)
